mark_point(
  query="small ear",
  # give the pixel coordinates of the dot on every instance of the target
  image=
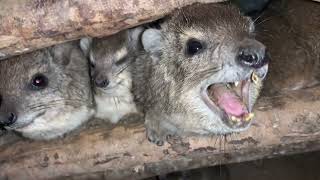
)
(61, 53)
(152, 40)
(85, 45)
(68, 55)
(135, 33)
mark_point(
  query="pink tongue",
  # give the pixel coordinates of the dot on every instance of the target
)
(228, 100)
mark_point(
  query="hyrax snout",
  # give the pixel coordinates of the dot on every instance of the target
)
(8, 116)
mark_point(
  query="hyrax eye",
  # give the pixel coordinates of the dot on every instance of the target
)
(194, 46)
(39, 81)
(121, 61)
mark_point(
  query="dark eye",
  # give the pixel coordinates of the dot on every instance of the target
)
(39, 81)
(193, 47)
(122, 61)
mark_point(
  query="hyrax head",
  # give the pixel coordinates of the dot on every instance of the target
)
(110, 56)
(215, 67)
(46, 93)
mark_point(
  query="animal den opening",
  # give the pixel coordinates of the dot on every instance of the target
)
(286, 123)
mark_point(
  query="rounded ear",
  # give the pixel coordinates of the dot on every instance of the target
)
(152, 40)
(68, 55)
(61, 53)
(85, 45)
(135, 33)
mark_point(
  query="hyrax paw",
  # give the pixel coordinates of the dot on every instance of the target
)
(154, 138)
(173, 138)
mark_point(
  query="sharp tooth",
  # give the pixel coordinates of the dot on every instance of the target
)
(236, 83)
(228, 85)
(235, 119)
(255, 78)
(248, 117)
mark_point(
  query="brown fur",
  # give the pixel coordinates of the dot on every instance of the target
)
(290, 30)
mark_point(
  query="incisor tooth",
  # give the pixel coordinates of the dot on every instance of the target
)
(236, 83)
(249, 117)
(254, 78)
(235, 119)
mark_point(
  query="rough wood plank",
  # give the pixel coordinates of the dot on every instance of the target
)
(26, 25)
(285, 124)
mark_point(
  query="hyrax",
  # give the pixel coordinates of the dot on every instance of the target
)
(46, 93)
(201, 73)
(290, 30)
(110, 58)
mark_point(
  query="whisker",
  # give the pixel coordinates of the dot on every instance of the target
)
(264, 20)
(73, 102)
(115, 102)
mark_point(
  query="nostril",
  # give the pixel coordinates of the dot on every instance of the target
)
(0, 100)
(102, 83)
(253, 57)
(12, 118)
(248, 58)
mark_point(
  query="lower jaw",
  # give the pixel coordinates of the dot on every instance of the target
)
(220, 127)
(236, 125)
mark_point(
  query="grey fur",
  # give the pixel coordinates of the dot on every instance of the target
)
(62, 106)
(110, 58)
(167, 84)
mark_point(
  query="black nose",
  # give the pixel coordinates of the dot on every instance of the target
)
(7, 119)
(101, 81)
(252, 56)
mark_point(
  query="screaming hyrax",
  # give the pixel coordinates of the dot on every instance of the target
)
(46, 93)
(201, 73)
(110, 59)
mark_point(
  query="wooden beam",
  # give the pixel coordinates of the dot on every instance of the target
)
(285, 124)
(27, 25)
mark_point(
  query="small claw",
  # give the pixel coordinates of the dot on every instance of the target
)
(154, 138)
(159, 143)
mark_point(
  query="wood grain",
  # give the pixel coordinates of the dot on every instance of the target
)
(27, 25)
(285, 124)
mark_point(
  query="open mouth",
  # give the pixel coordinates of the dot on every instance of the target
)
(234, 100)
